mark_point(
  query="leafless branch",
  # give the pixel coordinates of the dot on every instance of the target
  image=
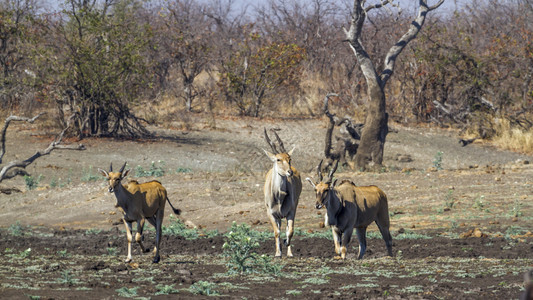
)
(410, 35)
(383, 3)
(15, 168)
(6, 125)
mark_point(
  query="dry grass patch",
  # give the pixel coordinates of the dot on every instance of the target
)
(513, 138)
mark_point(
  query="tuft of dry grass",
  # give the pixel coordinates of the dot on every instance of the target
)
(513, 138)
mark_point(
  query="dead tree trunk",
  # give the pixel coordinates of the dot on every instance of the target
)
(16, 167)
(346, 144)
(370, 152)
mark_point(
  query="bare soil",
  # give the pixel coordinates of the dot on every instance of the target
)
(216, 176)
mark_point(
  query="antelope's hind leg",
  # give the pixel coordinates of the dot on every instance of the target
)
(139, 235)
(158, 229)
(361, 236)
(385, 233)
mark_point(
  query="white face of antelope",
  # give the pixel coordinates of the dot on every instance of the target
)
(282, 163)
(114, 178)
(321, 190)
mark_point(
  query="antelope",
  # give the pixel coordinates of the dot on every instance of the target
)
(139, 202)
(283, 186)
(348, 207)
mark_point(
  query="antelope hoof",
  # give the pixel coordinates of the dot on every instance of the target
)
(285, 242)
(146, 250)
(128, 260)
(337, 257)
(156, 260)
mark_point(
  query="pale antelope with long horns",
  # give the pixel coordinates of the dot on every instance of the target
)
(283, 186)
(348, 207)
(139, 202)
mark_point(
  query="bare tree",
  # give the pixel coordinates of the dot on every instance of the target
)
(16, 167)
(188, 43)
(370, 152)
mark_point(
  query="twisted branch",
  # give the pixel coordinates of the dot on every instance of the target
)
(15, 168)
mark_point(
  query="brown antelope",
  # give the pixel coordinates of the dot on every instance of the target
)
(282, 190)
(139, 202)
(348, 207)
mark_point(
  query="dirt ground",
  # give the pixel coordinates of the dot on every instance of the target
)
(215, 176)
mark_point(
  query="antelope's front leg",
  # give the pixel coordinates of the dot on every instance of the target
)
(139, 234)
(276, 224)
(290, 232)
(128, 226)
(346, 237)
(336, 239)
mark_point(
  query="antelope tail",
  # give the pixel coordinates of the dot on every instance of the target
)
(176, 210)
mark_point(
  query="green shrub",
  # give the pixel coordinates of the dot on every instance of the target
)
(127, 292)
(32, 182)
(204, 288)
(240, 243)
(67, 278)
(516, 209)
(449, 201)
(437, 162)
(178, 228)
(92, 231)
(166, 290)
(183, 170)
(112, 251)
(409, 235)
(154, 171)
(89, 176)
(18, 229)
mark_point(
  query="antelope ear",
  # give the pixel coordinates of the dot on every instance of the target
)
(103, 172)
(291, 151)
(270, 155)
(125, 173)
(311, 182)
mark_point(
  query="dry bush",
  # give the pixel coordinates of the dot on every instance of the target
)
(512, 137)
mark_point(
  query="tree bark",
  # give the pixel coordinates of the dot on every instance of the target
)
(370, 152)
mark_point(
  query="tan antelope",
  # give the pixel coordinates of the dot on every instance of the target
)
(348, 207)
(283, 186)
(139, 202)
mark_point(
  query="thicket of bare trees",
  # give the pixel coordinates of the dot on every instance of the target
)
(99, 58)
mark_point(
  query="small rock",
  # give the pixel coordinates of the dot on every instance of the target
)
(404, 157)
(476, 232)
(190, 224)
